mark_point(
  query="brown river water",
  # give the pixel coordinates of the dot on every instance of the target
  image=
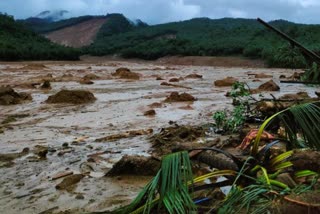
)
(27, 187)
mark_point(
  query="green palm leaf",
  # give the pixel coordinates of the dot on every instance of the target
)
(303, 119)
(168, 189)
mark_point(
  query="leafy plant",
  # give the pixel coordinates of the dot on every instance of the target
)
(220, 118)
(233, 121)
(301, 123)
(168, 189)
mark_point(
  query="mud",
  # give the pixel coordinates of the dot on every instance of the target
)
(171, 138)
(306, 160)
(68, 182)
(69, 131)
(194, 76)
(135, 165)
(72, 96)
(228, 81)
(174, 85)
(183, 97)
(308, 202)
(269, 86)
(9, 97)
(125, 73)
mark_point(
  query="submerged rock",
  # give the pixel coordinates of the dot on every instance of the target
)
(151, 112)
(228, 81)
(9, 97)
(262, 76)
(135, 165)
(183, 97)
(194, 76)
(269, 86)
(46, 85)
(72, 96)
(69, 181)
(125, 73)
(174, 80)
(91, 77)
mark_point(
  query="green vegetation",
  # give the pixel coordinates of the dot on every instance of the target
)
(19, 43)
(203, 36)
(232, 122)
(255, 187)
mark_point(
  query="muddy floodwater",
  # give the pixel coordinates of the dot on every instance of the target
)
(69, 132)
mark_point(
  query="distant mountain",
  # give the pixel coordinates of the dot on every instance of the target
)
(19, 43)
(116, 34)
(83, 30)
(53, 16)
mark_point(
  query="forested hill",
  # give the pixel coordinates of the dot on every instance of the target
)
(204, 36)
(19, 43)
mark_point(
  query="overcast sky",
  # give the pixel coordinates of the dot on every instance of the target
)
(161, 11)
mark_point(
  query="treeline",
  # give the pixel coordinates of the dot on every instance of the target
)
(19, 43)
(207, 37)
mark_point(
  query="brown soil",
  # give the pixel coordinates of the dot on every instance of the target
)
(74, 97)
(86, 81)
(174, 85)
(127, 134)
(78, 35)
(228, 81)
(6, 160)
(194, 76)
(174, 80)
(155, 105)
(46, 85)
(9, 97)
(262, 76)
(306, 160)
(151, 112)
(69, 181)
(34, 66)
(183, 97)
(308, 202)
(170, 138)
(269, 86)
(135, 165)
(91, 77)
(297, 96)
(125, 73)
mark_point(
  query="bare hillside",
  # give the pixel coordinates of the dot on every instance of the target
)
(78, 35)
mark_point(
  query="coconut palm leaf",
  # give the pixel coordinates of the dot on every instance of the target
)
(303, 119)
(168, 189)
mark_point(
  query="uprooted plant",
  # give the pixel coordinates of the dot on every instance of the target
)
(232, 121)
(256, 186)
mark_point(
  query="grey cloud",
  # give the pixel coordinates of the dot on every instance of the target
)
(160, 11)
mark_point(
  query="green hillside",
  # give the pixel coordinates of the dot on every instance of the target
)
(207, 37)
(19, 43)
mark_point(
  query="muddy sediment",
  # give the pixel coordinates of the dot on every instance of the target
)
(9, 97)
(62, 138)
(72, 96)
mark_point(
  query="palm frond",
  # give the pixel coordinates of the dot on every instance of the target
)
(303, 119)
(168, 189)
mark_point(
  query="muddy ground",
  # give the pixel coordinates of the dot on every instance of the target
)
(64, 138)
